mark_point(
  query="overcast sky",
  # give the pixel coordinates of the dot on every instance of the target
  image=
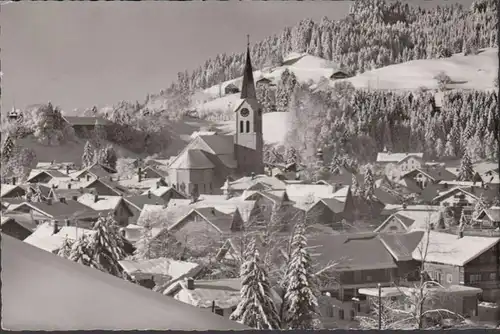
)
(79, 54)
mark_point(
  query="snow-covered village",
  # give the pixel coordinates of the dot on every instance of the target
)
(321, 172)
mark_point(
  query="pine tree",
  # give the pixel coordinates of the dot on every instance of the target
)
(440, 149)
(256, 307)
(466, 173)
(107, 156)
(369, 184)
(143, 245)
(301, 304)
(88, 157)
(8, 149)
(355, 185)
(82, 251)
(108, 246)
(65, 250)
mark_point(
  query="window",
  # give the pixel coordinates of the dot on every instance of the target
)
(438, 277)
(493, 276)
(461, 277)
(474, 278)
(219, 311)
(248, 126)
(341, 314)
(449, 278)
(241, 126)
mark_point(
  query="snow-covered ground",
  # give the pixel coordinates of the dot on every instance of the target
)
(466, 72)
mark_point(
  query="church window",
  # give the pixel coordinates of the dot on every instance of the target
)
(241, 126)
(248, 126)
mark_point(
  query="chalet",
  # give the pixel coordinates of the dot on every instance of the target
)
(25, 266)
(462, 260)
(403, 161)
(160, 272)
(327, 211)
(488, 172)
(137, 203)
(467, 196)
(84, 126)
(93, 172)
(105, 187)
(410, 220)
(221, 296)
(12, 191)
(231, 89)
(339, 75)
(253, 182)
(64, 212)
(489, 218)
(114, 205)
(165, 193)
(46, 176)
(67, 193)
(422, 176)
(263, 81)
(271, 202)
(19, 226)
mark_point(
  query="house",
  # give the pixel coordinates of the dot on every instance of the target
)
(209, 222)
(489, 218)
(452, 259)
(84, 125)
(466, 196)
(459, 299)
(339, 74)
(29, 274)
(402, 161)
(488, 171)
(424, 175)
(19, 226)
(12, 191)
(114, 205)
(263, 81)
(137, 203)
(63, 212)
(67, 193)
(160, 272)
(104, 187)
(165, 193)
(407, 220)
(327, 211)
(206, 162)
(253, 182)
(141, 184)
(220, 296)
(96, 171)
(46, 176)
(231, 89)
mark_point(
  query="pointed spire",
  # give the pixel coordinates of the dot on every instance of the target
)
(248, 86)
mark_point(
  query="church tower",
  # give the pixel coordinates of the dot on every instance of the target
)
(248, 140)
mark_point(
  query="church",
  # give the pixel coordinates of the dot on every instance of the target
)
(208, 160)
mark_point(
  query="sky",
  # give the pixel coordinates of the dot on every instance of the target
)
(80, 54)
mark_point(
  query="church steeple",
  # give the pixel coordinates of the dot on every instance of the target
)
(248, 86)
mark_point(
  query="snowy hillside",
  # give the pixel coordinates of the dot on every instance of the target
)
(466, 72)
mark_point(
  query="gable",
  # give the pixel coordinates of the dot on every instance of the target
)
(392, 225)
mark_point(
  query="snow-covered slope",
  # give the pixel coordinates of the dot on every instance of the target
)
(466, 72)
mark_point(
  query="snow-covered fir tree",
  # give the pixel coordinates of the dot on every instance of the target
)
(465, 172)
(355, 185)
(88, 157)
(8, 148)
(65, 250)
(256, 307)
(478, 207)
(369, 184)
(143, 249)
(108, 157)
(109, 245)
(301, 304)
(82, 251)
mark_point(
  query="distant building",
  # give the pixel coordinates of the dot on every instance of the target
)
(403, 161)
(339, 74)
(231, 89)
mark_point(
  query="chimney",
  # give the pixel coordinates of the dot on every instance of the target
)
(14, 180)
(139, 174)
(319, 154)
(405, 206)
(62, 200)
(69, 185)
(81, 190)
(96, 198)
(212, 211)
(67, 222)
(252, 175)
(149, 194)
(49, 201)
(53, 186)
(110, 178)
(190, 283)
(445, 185)
(157, 185)
(123, 232)
(56, 227)
(67, 169)
(88, 177)
(460, 234)
(74, 198)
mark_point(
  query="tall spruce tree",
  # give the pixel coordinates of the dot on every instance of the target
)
(65, 250)
(465, 173)
(88, 157)
(8, 148)
(82, 251)
(143, 249)
(109, 245)
(369, 184)
(301, 304)
(256, 307)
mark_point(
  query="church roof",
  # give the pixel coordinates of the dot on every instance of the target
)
(248, 85)
(192, 159)
(220, 144)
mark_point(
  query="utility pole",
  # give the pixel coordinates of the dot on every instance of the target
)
(379, 307)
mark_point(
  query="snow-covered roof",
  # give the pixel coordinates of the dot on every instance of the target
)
(248, 181)
(316, 190)
(192, 159)
(52, 172)
(134, 183)
(33, 279)
(228, 206)
(161, 191)
(44, 238)
(202, 133)
(451, 249)
(103, 203)
(162, 266)
(396, 157)
(5, 189)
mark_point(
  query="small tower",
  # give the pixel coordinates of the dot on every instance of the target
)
(248, 140)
